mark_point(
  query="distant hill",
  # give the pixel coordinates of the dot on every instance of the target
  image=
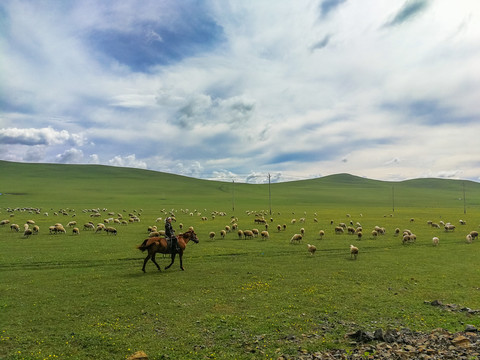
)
(51, 184)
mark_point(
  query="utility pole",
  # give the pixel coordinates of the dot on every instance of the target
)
(233, 196)
(393, 198)
(269, 194)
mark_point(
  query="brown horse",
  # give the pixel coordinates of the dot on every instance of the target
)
(156, 245)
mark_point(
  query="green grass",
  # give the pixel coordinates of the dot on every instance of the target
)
(79, 297)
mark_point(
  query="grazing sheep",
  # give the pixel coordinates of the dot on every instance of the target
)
(462, 222)
(449, 227)
(469, 239)
(321, 234)
(75, 231)
(338, 230)
(71, 224)
(435, 225)
(435, 241)
(474, 234)
(227, 228)
(353, 252)
(265, 234)
(248, 234)
(88, 226)
(409, 238)
(31, 222)
(255, 232)
(311, 249)
(302, 231)
(397, 231)
(111, 230)
(154, 234)
(14, 227)
(36, 229)
(240, 234)
(211, 235)
(374, 233)
(359, 235)
(296, 238)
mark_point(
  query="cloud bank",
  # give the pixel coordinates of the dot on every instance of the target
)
(236, 91)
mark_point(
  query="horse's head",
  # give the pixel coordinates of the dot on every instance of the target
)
(193, 236)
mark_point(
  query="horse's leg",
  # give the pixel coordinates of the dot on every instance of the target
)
(181, 261)
(145, 262)
(153, 259)
(173, 259)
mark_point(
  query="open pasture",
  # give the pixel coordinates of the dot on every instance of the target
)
(84, 296)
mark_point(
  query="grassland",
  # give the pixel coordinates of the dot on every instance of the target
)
(85, 296)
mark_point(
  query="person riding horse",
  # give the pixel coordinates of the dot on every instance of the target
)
(170, 234)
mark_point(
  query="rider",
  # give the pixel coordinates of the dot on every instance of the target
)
(170, 233)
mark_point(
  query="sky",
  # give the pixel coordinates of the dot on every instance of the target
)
(244, 90)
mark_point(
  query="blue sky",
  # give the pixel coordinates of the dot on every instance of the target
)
(237, 90)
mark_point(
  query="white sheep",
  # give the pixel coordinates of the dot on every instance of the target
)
(14, 227)
(353, 252)
(211, 235)
(75, 231)
(265, 234)
(321, 233)
(296, 238)
(248, 234)
(469, 238)
(435, 241)
(311, 249)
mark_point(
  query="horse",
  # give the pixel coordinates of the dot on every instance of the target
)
(156, 245)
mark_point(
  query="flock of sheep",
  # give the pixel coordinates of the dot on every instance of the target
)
(259, 219)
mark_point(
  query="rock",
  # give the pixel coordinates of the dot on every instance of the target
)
(361, 336)
(470, 328)
(139, 355)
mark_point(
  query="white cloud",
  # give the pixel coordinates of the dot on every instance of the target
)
(70, 156)
(127, 161)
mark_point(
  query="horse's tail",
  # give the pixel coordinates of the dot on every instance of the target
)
(143, 246)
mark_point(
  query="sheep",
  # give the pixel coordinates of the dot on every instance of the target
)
(462, 222)
(302, 231)
(449, 227)
(211, 235)
(223, 233)
(227, 229)
(353, 252)
(265, 234)
(111, 230)
(296, 238)
(248, 234)
(359, 235)
(284, 227)
(27, 231)
(311, 249)
(435, 241)
(31, 222)
(71, 224)
(36, 229)
(469, 239)
(474, 234)
(321, 234)
(240, 234)
(154, 234)
(88, 226)
(4, 222)
(14, 227)
(75, 231)
(338, 230)
(255, 232)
